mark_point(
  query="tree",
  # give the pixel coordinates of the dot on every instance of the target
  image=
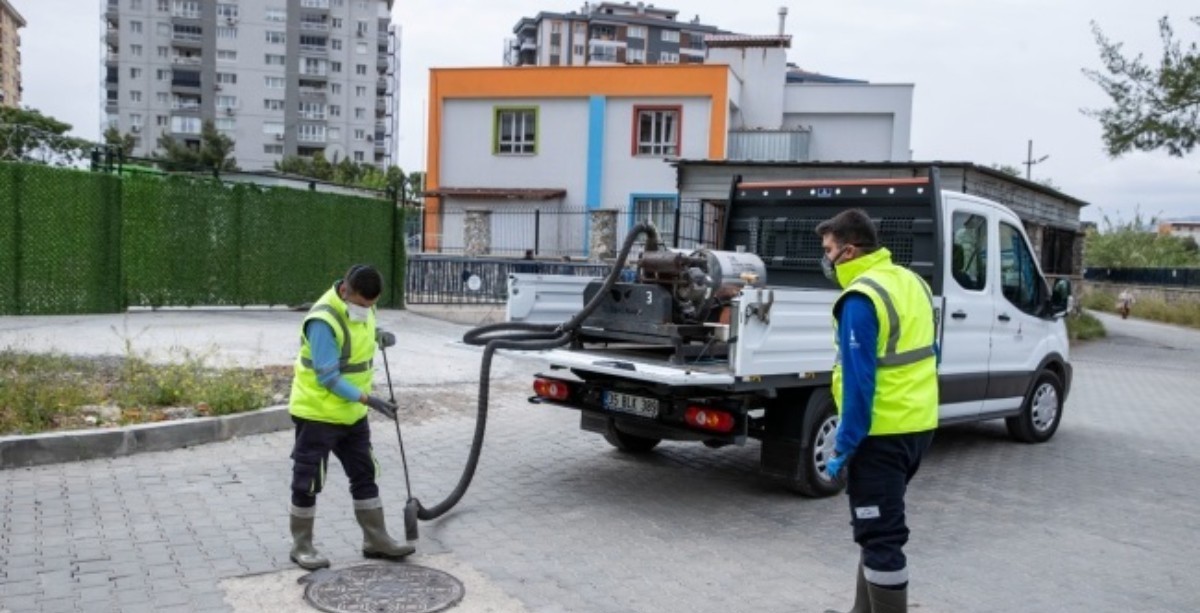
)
(1013, 171)
(1135, 244)
(1152, 107)
(124, 142)
(29, 136)
(213, 154)
(345, 172)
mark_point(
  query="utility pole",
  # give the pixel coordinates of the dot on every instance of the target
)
(1030, 162)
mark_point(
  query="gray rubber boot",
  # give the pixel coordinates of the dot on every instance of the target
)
(303, 552)
(884, 600)
(862, 601)
(376, 541)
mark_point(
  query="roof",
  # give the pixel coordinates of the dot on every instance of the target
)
(798, 75)
(645, 20)
(716, 41)
(992, 172)
(7, 6)
(497, 193)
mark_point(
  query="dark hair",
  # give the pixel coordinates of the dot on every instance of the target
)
(365, 281)
(851, 227)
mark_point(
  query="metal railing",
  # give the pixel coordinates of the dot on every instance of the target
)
(440, 279)
(1166, 277)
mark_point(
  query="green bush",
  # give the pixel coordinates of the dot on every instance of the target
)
(1085, 327)
(41, 392)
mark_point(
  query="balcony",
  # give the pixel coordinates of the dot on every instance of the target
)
(315, 4)
(313, 49)
(310, 137)
(182, 12)
(186, 105)
(187, 60)
(314, 26)
(382, 63)
(316, 93)
(112, 36)
(112, 57)
(381, 86)
(189, 37)
(769, 145)
(314, 73)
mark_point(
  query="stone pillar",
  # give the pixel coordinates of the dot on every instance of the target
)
(603, 226)
(477, 232)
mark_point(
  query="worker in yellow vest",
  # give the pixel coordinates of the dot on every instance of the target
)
(331, 392)
(886, 390)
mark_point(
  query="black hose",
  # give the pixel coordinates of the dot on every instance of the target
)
(524, 337)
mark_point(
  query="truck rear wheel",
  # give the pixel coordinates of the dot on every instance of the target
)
(799, 442)
(630, 443)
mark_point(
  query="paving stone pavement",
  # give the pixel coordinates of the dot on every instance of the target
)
(1105, 517)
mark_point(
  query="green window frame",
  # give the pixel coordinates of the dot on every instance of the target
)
(515, 130)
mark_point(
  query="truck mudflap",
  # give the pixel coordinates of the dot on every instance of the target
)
(628, 368)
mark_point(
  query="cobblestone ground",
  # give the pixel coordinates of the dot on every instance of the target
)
(1102, 518)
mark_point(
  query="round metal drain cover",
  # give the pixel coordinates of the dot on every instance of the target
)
(383, 588)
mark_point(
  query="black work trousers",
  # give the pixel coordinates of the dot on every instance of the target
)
(310, 457)
(877, 479)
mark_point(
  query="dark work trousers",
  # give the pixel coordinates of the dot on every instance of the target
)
(310, 458)
(878, 476)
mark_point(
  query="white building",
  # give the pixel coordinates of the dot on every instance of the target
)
(563, 140)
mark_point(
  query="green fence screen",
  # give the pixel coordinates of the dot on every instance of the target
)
(81, 242)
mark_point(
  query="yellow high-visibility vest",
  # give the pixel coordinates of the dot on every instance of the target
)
(906, 383)
(356, 342)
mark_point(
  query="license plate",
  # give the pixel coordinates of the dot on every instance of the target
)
(634, 405)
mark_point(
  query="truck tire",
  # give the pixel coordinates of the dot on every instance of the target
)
(799, 437)
(820, 426)
(1041, 413)
(630, 443)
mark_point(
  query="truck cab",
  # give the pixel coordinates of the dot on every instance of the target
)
(727, 347)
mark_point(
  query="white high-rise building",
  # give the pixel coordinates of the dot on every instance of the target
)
(280, 77)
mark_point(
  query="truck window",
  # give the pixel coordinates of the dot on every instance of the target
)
(1018, 273)
(968, 257)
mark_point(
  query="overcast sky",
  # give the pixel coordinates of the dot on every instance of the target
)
(989, 74)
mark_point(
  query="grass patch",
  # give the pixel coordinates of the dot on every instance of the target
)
(1179, 313)
(40, 392)
(1085, 327)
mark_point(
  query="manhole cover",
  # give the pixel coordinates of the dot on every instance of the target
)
(383, 588)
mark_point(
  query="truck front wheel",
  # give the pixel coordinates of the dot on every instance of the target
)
(1041, 413)
(821, 422)
(798, 442)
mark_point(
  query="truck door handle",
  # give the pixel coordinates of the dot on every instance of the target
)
(959, 315)
(1005, 317)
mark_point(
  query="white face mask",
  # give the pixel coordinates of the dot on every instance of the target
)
(357, 312)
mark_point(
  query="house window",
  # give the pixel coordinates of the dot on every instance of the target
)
(670, 36)
(271, 104)
(360, 134)
(228, 78)
(164, 6)
(135, 50)
(335, 44)
(311, 133)
(656, 130)
(635, 56)
(360, 69)
(360, 113)
(163, 97)
(226, 124)
(358, 156)
(360, 90)
(335, 88)
(185, 125)
(277, 15)
(227, 102)
(335, 110)
(660, 210)
(276, 60)
(272, 128)
(515, 131)
(226, 33)
(164, 52)
(312, 110)
(275, 82)
(226, 55)
(135, 73)
(668, 57)
(227, 11)
(276, 38)
(273, 149)
(135, 96)
(335, 66)
(160, 120)
(360, 48)
(135, 27)
(636, 32)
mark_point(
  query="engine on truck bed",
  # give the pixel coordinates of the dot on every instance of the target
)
(680, 300)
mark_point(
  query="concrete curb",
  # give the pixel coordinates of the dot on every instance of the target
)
(76, 445)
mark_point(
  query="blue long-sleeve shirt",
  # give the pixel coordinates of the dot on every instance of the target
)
(325, 354)
(858, 336)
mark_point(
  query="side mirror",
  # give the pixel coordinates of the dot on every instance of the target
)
(1060, 297)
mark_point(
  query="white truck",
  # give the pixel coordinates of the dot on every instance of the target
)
(725, 346)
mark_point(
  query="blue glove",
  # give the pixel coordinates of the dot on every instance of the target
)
(834, 467)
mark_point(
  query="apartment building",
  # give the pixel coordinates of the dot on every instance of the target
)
(10, 54)
(608, 33)
(280, 77)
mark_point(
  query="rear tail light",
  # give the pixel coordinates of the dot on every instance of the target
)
(709, 418)
(551, 389)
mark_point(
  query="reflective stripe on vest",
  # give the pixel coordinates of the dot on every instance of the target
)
(344, 364)
(890, 357)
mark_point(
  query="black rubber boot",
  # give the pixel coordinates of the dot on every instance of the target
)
(303, 552)
(376, 541)
(862, 601)
(884, 600)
